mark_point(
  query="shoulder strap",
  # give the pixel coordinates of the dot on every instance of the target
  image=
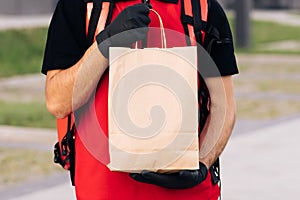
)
(93, 25)
(194, 16)
(98, 15)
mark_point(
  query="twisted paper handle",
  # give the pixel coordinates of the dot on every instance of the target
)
(162, 31)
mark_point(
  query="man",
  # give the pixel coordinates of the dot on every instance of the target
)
(74, 69)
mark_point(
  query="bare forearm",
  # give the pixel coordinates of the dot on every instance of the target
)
(212, 147)
(220, 122)
(67, 90)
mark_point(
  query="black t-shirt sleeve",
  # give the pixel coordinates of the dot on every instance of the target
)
(222, 50)
(66, 41)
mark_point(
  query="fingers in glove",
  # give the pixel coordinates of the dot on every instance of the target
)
(145, 20)
(156, 177)
(189, 174)
(141, 8)
(163, 180)
(138, 177)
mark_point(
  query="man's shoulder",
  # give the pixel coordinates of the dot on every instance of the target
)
(72, 1)
(71, 4)
(71, 10)
(215, 6)
(216, 14)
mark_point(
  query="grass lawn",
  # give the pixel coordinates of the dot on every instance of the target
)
(21, 51)
(18, 165)
(266, 109)
(268, 89)
(279, 87)
(264, 32)
(26, 114)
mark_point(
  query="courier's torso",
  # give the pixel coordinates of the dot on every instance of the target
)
(93, 180)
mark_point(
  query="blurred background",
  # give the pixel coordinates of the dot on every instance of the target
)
(260, 158)
(25, 7)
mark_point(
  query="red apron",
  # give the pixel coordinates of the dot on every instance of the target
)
(93, 180)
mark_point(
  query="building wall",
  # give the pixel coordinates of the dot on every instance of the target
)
(27, 6)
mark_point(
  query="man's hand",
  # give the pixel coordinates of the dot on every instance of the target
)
(180, 180)
(132, 23)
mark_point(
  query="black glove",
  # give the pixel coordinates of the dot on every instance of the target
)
(180, 180)
(132, 23)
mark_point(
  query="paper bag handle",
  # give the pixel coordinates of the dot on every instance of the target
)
(162, 31)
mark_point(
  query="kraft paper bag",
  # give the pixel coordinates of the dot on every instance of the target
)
(153, 109)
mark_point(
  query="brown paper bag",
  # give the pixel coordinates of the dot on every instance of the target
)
(153, 109)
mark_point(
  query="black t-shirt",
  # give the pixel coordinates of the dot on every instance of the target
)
(67, 42)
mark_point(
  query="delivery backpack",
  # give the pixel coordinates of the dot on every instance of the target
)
(194, 14)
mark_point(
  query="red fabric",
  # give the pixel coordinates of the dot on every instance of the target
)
(93, 180)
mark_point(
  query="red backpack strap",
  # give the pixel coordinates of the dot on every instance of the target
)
(194, 14)
(64, 149)
(194, 18)
(98, 15)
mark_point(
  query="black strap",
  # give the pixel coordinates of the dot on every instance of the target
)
(69, 138)
(66, 149)
(197, 20)
(71, 143)
(213, 34)
(203, 99)
(215, 172)
(110, 12)
(185, 20)
(203, 94)
(94, 18)
(211, 30)
(97, 7)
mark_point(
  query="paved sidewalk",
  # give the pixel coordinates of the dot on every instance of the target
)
(30, 138)
(278, 16)
(23, 88)
(63, 191)
(23, 21)
(261, 165)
